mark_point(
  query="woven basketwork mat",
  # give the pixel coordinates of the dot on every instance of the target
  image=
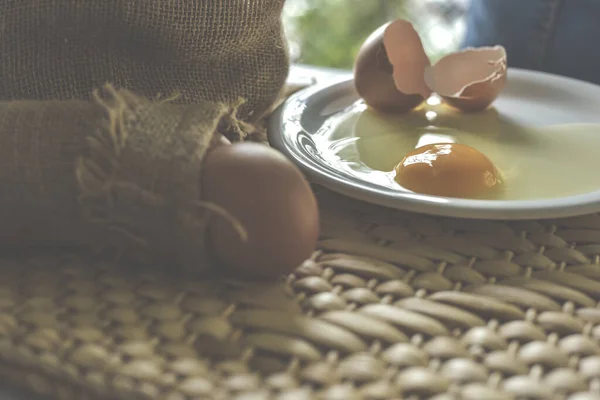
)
(393, 305)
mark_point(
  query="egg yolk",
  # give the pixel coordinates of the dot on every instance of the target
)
(448, 170)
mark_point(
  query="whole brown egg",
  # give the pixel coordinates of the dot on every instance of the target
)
(272, 201)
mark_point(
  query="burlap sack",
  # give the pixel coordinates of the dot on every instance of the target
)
(122, 170)
(216, 50)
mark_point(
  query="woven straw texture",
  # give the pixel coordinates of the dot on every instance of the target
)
(392, 306)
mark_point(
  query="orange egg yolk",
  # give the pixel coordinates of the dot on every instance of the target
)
(448, 170)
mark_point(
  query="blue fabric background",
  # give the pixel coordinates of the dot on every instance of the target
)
(558, 36)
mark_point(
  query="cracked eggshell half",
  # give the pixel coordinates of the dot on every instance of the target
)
(471, 79)
(389, 69)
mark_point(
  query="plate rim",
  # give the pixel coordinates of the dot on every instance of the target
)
(561, 207)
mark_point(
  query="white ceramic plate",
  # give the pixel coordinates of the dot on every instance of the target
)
(305, 126)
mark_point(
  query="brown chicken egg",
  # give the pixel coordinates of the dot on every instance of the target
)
(272, 201)
(448, 170)
(469, 80)
(389, 68)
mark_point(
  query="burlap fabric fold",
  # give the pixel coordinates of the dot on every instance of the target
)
(108, 107)
(119, 173)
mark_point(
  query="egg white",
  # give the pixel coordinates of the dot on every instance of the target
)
(534, 162)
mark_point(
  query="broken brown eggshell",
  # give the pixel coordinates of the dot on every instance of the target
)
(471, 79)
(389, 69)
(393, 74)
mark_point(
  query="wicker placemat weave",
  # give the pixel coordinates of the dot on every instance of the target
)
(392, 306)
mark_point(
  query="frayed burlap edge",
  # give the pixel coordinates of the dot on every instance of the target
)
(140, 181)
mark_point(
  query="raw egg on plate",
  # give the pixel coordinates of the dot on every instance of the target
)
(448, 170)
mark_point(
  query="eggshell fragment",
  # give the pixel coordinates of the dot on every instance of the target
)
(270, 198)
(389, 68)
(471, 79)
(406, 54)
